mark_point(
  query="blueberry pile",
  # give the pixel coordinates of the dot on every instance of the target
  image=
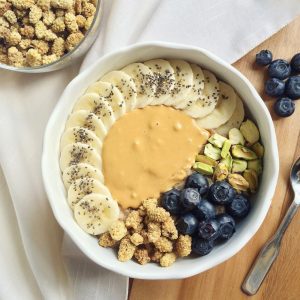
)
(196, 207)
(284, 81)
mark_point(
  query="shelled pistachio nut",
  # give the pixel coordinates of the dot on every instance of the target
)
(206, 160)
(203, 168)
(238, 166)
(221, 172)
(259, 149)
(238, 182)
(239, 151)
(250, 132)
(236, 137)
(212, 151)
(217, 140)
(252, 178)
(255, 165)
(225, 149)
(227, 161)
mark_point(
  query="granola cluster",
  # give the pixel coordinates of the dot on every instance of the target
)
(147, 234)
(39, 32)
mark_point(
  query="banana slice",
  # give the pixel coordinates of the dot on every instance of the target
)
(86, 119)
(210, 96)
(183, 83)
(111, 94)
(95, 213)
(144, 81)
(164, 79)
(80, 135)
(76, 153)
(196, 92)
(70, 174)
(224, 109)
(126, 86)
(236, 119)
(97, 105)
(84, 186)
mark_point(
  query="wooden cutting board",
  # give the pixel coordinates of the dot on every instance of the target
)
(223, 282)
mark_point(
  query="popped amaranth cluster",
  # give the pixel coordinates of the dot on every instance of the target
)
(147, 234)
(39, 32)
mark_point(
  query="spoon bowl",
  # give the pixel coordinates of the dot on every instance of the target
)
(295, 180)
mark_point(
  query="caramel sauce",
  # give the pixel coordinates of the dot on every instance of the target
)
(148, 151)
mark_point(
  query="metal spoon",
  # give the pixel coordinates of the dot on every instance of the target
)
(270, 251)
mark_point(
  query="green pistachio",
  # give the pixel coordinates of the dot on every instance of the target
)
(258, 148)
(238, 182)
(212, 152)
(221, 172)
(227, 161)
(239, 151)
(203, 168)
(217, 140)
(225, 149)
(250, 132)
(236, 137)
(238, 166)
(205, 159)
(255, 165)
(252, 178)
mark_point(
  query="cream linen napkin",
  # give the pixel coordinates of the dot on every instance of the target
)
(34, 265)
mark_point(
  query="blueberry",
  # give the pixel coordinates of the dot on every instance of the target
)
(201, 247)
(292, 87)
(274, 87)
(295, 63)
(171, 201)
(239, 207)
(264, 57)
(197, 181)
(279, 68)
(204, 210)
(208, 230)
(187, 224)
(189, 198)
(221, 192)
(227, 226)
(284, 107)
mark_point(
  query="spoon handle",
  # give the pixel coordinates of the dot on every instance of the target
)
(267, 255)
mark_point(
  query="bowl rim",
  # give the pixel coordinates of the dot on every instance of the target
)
(99, 8)
(273, 159)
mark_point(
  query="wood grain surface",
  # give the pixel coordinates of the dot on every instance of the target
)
(224, 281)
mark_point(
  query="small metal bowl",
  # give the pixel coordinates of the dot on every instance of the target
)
(71, 56)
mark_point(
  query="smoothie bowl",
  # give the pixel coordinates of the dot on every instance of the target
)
(160, 161)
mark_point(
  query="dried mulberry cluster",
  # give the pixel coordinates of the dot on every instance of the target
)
(39, 32)
(147, 234)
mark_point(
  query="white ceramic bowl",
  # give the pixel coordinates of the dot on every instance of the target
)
(57, 194)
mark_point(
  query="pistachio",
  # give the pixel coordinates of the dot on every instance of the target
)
(212, 152)
(239, 151)
(203, 168)
(252, 178)
(259, 149)
(217, 140)
(238, 182)
(205, 159)
(250, 132)
(221, 172)
(255, 165)
(238, 166)
(227, 161)
(225, 149)
(236, 137)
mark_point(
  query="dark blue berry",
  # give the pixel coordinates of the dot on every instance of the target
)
(171, 201)
(189, 198)
(197, 181)
(208, 230)
(279, 68)
(221, 192)
(204, 210)
(264, 57)
(187, 224)
(201, 247)
(295, 63)
(292, 87)
(284, 107)
(274, 87)
(239, 207)
(227, 226)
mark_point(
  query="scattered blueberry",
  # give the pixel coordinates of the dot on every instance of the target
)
(221, 192)
(274, 87)
(208, 230)
(284, 107)
(264, 57)
(239, 207)
(295, 63)
(189, 198)
(292, 87)
(204, 210)
(201, 247)
(171, 201)
(227, 226)
(187, 224)
(279, 68)
(197, 181)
